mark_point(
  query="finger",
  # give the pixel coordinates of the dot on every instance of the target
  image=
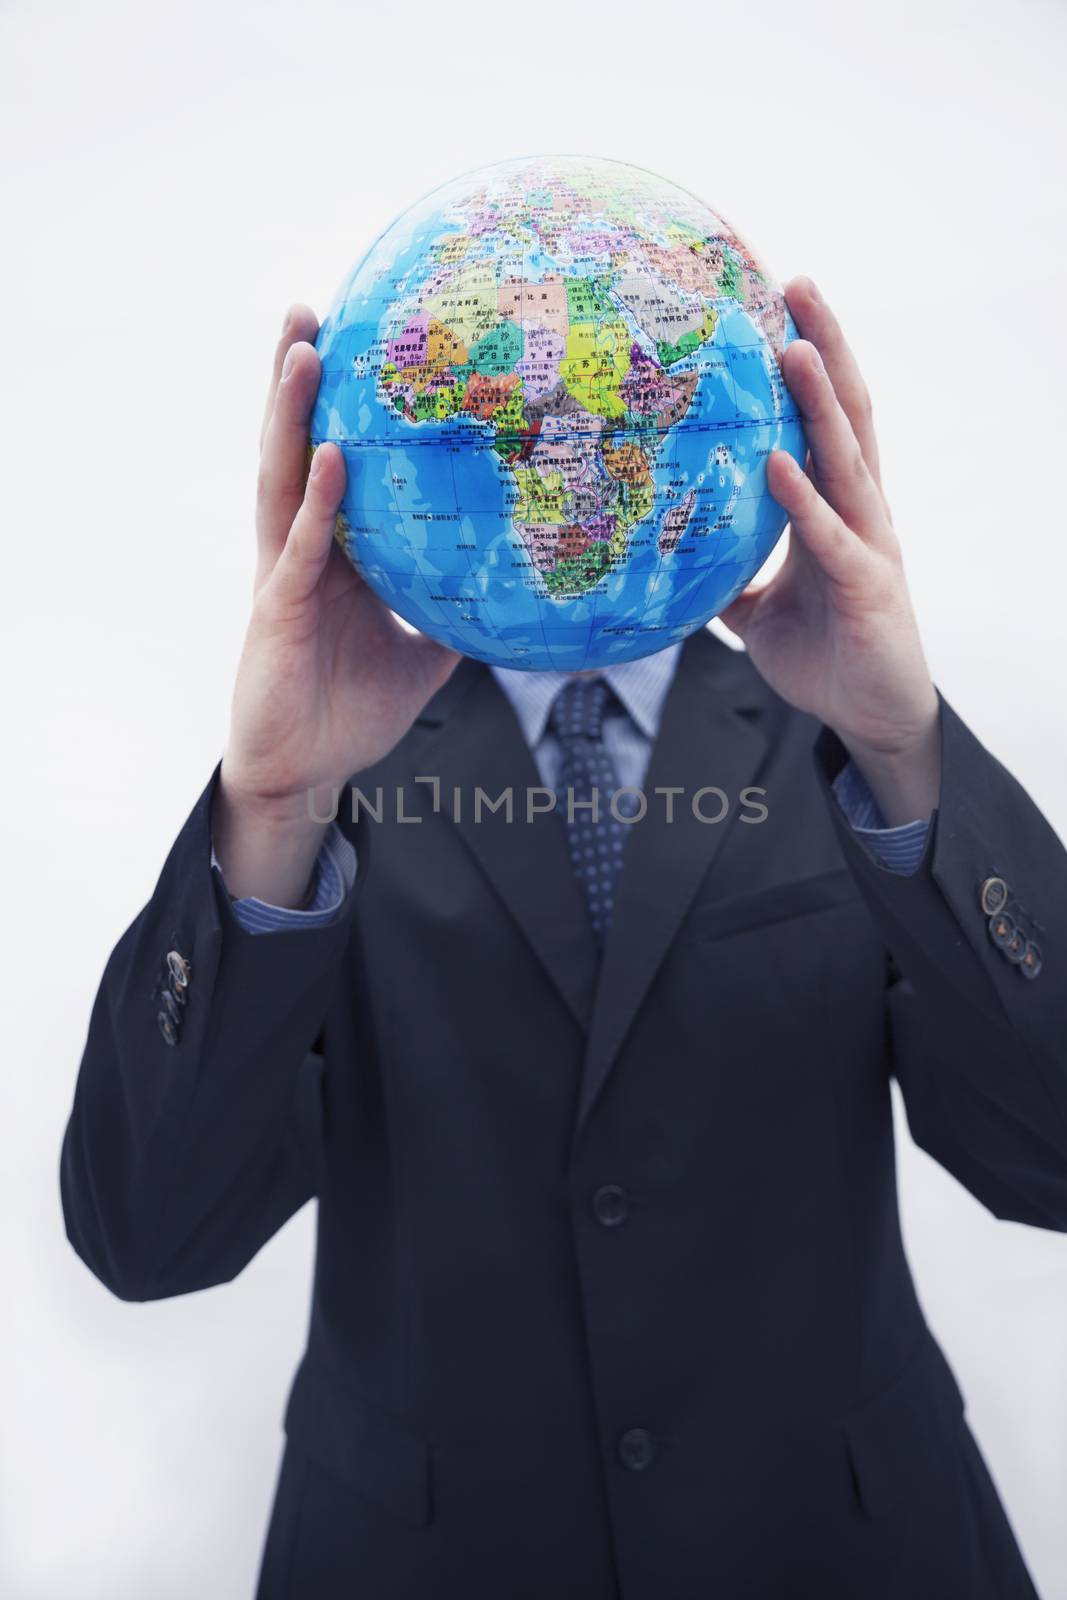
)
(836, 456)
(310, 540)
(301, 324)
(816, 322)
(283, 460)
(828, 540)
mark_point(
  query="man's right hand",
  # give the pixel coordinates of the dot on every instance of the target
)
(329, 681)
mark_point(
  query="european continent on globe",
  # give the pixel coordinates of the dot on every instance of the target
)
(556, 383)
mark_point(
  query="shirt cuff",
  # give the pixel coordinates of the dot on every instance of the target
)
(335, 873)
(898, 849)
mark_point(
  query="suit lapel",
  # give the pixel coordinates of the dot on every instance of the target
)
(710, 734)
(474, 741)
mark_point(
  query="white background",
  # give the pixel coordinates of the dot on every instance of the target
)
(173, 176)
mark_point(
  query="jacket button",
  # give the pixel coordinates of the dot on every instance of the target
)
(1030, 965)
(994, 896)
(167, 1028)
(610, 1205)
(637, 1449)
(1002, 929)
(1015, 947)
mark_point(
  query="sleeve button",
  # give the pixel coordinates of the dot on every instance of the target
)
(1002, 930)
(179, 969)
(167, 1028)
(1030, 965)
(994, 896)
(169, 1004)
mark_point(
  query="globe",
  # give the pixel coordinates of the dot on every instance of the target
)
(556, 382)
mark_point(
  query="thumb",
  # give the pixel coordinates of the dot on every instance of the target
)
(437, 662)
(739, 613)
(309, 540)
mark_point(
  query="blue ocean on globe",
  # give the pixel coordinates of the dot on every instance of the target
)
(556, 383)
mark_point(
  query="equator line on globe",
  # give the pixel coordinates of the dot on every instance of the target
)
(556, 382)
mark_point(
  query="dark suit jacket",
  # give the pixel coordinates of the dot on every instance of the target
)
(609, 1294)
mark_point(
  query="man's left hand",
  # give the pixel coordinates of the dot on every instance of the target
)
(834, 632)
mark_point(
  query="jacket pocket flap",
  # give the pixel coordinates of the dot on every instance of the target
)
(364, 1447)
(894, 1440)
(775, 904)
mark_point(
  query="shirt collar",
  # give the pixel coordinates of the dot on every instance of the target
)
(640, 685)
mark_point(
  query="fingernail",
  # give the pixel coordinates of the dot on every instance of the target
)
(316, 462)
(813, 290)
(287, 364)
(286, 321)
(816, 360)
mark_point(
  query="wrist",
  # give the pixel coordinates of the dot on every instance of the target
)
(902, 771)
(266, 845)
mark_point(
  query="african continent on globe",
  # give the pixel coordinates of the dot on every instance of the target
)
(556, 383)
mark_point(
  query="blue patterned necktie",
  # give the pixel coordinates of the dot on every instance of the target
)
(586, 773)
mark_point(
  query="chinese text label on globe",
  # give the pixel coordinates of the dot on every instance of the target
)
(556, 383)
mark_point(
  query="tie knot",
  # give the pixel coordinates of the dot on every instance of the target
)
(579, 708)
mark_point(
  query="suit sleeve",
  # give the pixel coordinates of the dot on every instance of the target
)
(196, 1120)
(977, 999)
